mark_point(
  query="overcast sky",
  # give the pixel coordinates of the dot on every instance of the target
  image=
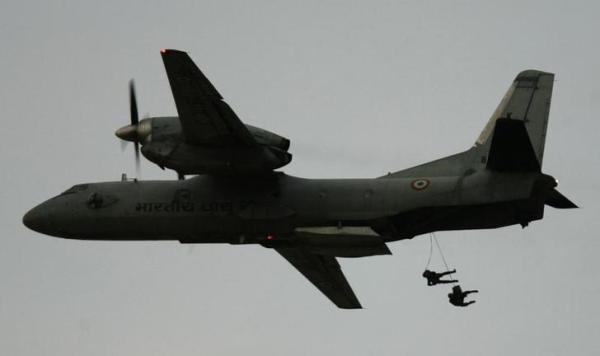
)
(361, 88)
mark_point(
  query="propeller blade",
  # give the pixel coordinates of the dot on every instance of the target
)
(137, 158)
(133, 104)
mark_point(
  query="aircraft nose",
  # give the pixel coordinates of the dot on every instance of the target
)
(36, 220)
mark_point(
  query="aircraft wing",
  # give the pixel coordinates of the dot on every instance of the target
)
(323, 272)
(205, 118)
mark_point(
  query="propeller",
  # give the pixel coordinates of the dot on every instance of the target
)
(134, 132)
(137, 131)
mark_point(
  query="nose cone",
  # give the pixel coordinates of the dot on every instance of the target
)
(127, 133)
(37, 220)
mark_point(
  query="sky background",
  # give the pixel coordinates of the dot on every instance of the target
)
(361, 88)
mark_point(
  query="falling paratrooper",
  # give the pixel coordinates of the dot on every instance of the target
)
(457, 296)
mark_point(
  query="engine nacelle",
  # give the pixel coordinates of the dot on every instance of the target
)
(164, 144)
(192, 159)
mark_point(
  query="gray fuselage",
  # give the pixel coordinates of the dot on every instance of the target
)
(212, 209)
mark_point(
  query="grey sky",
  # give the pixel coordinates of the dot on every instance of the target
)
(361, 88)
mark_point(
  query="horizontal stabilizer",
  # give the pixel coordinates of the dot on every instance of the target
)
(559, 201)
(511, 149)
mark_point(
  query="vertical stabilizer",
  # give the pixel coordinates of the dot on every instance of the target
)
(521, 116)
(512, 140)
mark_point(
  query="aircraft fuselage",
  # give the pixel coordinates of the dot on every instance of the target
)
(213, 209)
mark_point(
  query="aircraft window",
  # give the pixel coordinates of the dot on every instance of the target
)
(75, 189)
(95, 201)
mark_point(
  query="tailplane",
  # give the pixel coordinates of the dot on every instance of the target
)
(559, 201)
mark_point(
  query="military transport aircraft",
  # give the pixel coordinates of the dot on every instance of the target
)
(236, 197)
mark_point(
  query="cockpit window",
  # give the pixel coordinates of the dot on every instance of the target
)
(75, 189)
(95, 201)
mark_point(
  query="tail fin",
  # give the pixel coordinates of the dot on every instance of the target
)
(516, 133)
(513, 139)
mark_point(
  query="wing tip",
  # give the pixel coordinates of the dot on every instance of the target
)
(164, 51)
(351, 302)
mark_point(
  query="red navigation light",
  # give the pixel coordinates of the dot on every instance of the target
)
(163, 50)
(270, 237)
